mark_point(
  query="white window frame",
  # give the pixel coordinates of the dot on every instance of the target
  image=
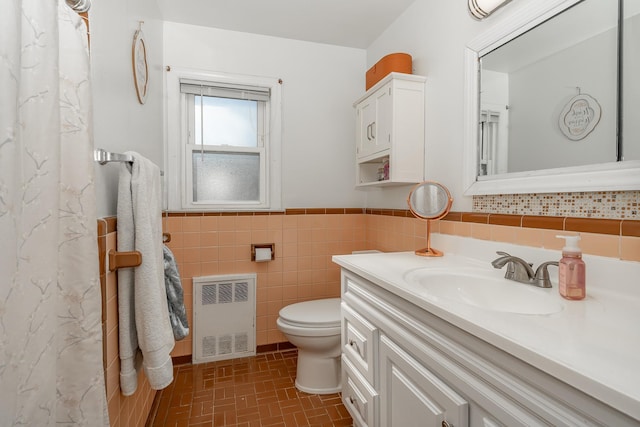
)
(178, 176)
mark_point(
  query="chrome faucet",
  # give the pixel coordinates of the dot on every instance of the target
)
(521, 271)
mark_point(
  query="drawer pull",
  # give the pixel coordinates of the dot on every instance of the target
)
(354, 344)
(356, 405)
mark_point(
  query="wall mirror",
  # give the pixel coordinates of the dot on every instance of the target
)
(551, 98)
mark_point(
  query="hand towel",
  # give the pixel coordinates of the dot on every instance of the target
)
(175, 296)
(145, 332)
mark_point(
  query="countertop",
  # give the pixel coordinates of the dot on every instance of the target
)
(593, 344)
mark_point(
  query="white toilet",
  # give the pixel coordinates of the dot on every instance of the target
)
(314, 327)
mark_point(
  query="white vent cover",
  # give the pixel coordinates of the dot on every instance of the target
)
(224, 313)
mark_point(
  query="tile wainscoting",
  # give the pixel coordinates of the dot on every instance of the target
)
(306, 239)
(131, 411)
(616, 238)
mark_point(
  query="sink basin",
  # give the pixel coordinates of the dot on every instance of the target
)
(479, 289)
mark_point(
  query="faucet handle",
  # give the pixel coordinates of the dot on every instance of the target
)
(542, 274)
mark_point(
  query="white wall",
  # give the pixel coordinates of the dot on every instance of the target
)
(121, 123)
(320, 84)
(434, 33)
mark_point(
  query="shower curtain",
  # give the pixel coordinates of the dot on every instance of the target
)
(50, 308)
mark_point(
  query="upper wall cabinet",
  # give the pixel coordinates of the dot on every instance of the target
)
(390, 132)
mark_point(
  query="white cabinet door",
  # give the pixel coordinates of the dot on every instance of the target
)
(374, 122)
(411, 395)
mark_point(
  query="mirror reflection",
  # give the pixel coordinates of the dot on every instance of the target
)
(630, 82)
(549, 98)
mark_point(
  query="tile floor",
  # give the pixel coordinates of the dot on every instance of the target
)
(249, 392)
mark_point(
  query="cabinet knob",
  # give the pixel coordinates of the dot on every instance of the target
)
(354, 344)
(446, 424)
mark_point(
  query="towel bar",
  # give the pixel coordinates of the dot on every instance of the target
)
(124, 259)
(103, 157)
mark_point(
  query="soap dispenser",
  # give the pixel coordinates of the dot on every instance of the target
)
(572, 270)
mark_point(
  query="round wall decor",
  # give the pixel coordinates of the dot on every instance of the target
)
(140, 67)
(579, 117)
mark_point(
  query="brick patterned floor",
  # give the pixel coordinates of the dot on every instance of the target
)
(249, 392)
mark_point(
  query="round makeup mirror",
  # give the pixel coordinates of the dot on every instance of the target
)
(429, 201)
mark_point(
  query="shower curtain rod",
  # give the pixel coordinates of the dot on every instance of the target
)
(79, 6)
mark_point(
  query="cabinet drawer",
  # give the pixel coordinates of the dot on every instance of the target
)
(359, 342)
(358, 396)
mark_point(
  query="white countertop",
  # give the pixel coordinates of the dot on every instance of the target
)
(593, 344)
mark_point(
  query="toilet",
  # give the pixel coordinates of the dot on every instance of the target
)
(314, 327)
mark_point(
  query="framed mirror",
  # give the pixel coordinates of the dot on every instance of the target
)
(542, 100)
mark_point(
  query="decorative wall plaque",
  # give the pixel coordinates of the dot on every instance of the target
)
(579, 117)
(140, 67)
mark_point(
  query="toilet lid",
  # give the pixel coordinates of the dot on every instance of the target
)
(318, 313)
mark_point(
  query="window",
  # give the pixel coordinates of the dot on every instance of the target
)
(223, 141)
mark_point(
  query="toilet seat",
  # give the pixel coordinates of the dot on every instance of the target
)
(323, 313)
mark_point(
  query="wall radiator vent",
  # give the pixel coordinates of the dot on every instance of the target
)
(224, 317)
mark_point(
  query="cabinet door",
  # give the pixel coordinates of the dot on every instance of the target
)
(366, 112)
(411, 395)
(384, 118)
(374, 122)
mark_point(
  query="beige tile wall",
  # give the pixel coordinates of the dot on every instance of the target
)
(131, 411)
(393, 233)
(304, 244)
(302, 269)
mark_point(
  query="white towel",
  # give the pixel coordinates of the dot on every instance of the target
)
(145, 331)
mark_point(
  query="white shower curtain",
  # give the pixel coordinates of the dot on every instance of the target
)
(50, 307)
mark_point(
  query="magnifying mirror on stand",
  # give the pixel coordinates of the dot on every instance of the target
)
(429, 201)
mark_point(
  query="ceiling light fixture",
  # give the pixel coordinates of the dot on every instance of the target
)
(480, 9)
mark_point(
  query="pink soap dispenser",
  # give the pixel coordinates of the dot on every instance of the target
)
(572, 270)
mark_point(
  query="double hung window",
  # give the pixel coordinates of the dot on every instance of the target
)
(228, 143)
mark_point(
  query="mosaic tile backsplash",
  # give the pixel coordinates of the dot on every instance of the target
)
(598, 204)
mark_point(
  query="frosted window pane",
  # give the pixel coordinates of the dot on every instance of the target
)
(226, 176)
(227, 122)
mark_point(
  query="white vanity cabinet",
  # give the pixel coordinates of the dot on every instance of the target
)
(390, 128)
(404, 366)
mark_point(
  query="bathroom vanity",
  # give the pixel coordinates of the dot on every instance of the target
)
(449, 342)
